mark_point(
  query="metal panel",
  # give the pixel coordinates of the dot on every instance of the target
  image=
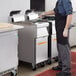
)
(41, 49)
(72, 36)
(8, 50)
(54, 52)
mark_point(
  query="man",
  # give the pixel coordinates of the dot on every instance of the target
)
(63, 17)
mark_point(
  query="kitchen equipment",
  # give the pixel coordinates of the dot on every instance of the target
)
(33, 41)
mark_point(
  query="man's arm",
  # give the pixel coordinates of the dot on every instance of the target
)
(49, 13)
(52, 12)
(68, 9)
(68, 21)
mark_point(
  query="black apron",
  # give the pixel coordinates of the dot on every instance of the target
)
(60, 22)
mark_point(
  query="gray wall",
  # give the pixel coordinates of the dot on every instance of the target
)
(49, 4)
(7, 5)
(74, 4)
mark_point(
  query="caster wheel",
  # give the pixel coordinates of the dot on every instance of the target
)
(49, 62)
(13, 74)
(34, 68)
(56, 59)
(42, 64)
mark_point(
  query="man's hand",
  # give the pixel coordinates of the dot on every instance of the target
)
(65, 32)
(42, 15)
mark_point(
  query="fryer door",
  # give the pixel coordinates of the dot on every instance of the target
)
(41, 49)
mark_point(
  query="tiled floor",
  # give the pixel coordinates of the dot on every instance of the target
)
(26, 69)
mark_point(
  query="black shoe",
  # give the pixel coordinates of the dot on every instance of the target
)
(63, 74)
(58, 68)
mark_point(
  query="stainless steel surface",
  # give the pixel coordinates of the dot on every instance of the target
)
(8, 51)
(28, 47)
(72, 36)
